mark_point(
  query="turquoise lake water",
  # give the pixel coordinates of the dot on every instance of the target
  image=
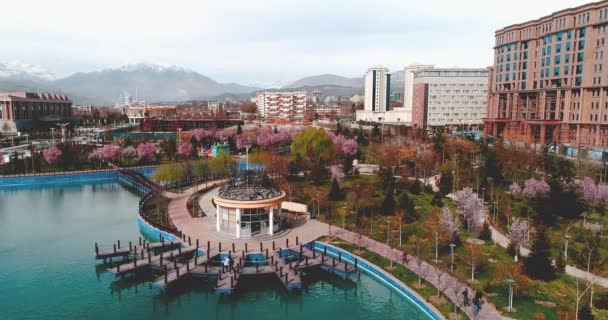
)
(48, 270)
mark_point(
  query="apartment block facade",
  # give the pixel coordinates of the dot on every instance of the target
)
(549, 80)
(281, 104)
(21, 111)
(452, 97)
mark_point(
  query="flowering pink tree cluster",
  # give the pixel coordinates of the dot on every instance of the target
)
(535, 188)
(201, 134)
(128, 152)
(146, 150)
(336, 172)
(449, 223)
(185, 149)
(52, 154)
(471, 208)
(594, 193)
(245, 139)
(109, 152)
(515, 188)
(345, 145)
(519, 235)
(268, 137)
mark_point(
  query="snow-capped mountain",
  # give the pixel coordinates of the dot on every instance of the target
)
(15, 69)
(153, 83)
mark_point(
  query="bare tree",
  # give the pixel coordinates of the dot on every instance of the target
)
(419, 248)
(441, 286)
(456, 287)
(473, 257)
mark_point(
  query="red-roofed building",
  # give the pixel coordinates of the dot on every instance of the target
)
(21, 111)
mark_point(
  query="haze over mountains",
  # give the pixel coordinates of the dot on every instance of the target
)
(154, 83)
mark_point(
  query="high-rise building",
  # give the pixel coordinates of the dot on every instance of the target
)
(549, 79)
(281, 104)
(453, 97)
(377, 102)
(377, 89)
(32, 110)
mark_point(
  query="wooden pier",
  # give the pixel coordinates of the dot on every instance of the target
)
(178, 261)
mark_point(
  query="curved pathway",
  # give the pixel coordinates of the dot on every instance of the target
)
(503, 241)
(202, 228)
(488, 310)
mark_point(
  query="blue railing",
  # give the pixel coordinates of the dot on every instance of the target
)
(379, 275)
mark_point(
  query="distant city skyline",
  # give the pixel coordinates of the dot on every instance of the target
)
(255, 42)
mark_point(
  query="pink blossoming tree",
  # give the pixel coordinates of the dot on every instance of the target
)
(535, 188)
(52, 155)
(109, 152)
(519, 232)
(471, 208)
(146, 151)
(449, 224)
(185, 149)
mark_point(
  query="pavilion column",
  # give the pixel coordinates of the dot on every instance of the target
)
(238, 222)
(217, 219)
(271, 221)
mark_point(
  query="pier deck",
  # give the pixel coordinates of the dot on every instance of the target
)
(167, 258)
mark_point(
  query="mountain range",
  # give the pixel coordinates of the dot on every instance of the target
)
(154, 83)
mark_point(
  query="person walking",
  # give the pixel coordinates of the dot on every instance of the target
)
(404, 257)
(465, 297)
(226, 265)
(477, 303)
(231, 264)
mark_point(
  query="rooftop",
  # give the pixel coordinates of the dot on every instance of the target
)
(250, 186)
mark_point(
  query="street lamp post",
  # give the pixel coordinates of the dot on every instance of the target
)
(453, 181)
(483, 193)
(452, 246)
(388, 239)
(510, 282)
(247, 157)
(566, 238)
(494, 209)
(53, 135)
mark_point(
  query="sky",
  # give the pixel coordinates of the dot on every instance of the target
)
(259, 41)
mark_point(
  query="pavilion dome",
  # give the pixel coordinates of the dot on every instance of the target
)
(250, 186)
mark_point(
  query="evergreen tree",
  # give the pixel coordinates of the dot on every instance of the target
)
(437, 200)
(388, 205)
(239, 129)
(560, 263)
(538, 264)
(416, 187)
(585, 312)
(407, 204)
(446, 183)
(335, 194)
(486, 233)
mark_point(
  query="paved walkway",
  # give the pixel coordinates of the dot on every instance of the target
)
(203, 228)
(453, 286)
(503, 241)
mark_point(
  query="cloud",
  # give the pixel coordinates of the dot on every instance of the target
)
(259, 40)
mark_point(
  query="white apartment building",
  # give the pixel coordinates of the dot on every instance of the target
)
(377, 100)
(377, 89)
(454, 97)
(281, 104)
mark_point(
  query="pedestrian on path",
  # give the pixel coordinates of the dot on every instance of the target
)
(477, 303)
(225, 267)
(404, 257)
(465, 297)
(231, 264)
